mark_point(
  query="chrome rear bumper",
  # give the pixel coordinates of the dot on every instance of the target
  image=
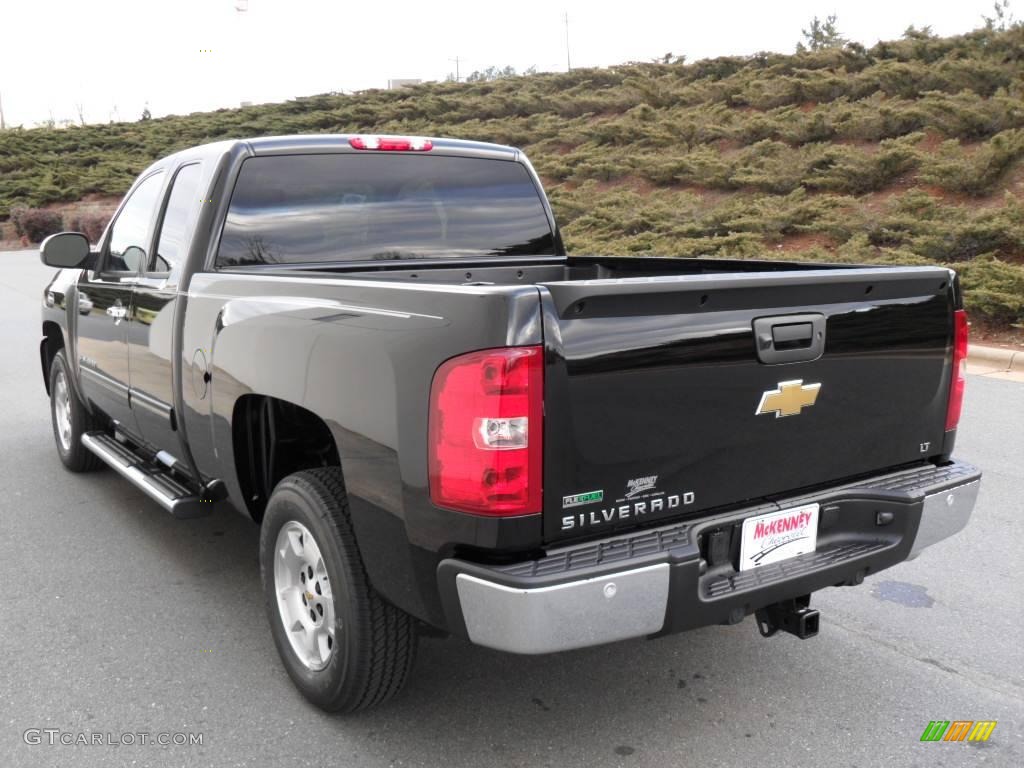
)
(944, 514)
(576, 614)
(657, 581)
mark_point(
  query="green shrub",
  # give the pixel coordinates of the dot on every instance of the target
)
(842, 169)
(977, 172)
(994, 289)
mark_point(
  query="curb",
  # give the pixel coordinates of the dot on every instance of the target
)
(998, 357)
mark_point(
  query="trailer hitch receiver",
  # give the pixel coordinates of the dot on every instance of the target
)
(794, 616)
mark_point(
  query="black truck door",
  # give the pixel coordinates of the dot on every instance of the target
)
(150, 335)
(104, 303)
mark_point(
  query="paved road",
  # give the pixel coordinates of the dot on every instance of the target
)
(116, 618)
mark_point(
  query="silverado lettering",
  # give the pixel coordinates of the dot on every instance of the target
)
(378, 350)
(623, 511)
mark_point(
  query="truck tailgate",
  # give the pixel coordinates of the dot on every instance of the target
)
(668, 396)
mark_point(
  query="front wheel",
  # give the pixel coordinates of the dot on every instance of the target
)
(344, 647)
(70, 419)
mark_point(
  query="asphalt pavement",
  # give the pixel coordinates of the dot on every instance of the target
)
(117, 620)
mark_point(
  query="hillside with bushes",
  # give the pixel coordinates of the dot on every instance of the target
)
(910, 151)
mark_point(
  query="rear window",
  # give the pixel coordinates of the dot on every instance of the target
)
(344, 207)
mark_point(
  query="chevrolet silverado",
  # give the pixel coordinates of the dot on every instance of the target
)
(378, 348)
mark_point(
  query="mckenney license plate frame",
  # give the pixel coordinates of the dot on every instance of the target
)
(776, 536)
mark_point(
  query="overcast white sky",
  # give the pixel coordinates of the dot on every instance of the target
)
(114, 56)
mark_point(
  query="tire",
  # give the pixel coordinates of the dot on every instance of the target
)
(348, 649)
(70, 419)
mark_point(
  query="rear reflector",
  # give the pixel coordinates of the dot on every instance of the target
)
(486, 429)
(959, 375)
(390, 143)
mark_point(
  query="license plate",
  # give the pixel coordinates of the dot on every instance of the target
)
(778, 536)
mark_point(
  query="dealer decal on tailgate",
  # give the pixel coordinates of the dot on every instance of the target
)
(778, 536)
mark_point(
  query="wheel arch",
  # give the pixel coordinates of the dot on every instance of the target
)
(272, 438)
(52, 342)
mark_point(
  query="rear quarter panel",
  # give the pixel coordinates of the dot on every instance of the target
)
(361, 355)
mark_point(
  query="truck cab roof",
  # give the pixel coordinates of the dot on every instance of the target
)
(330, 143)
(320, 143)
(316, 144)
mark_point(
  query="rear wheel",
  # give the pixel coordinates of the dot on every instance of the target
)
(70, 419)
(343, 646)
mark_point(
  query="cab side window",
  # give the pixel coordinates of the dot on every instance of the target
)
(182, 210)
(130, 232)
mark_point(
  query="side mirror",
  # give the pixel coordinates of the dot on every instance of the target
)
(66, 250)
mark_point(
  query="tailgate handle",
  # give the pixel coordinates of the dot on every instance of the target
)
(789, 338)
(792, 335)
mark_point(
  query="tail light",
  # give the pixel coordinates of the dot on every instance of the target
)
(486, 428)
(959, 377)
(391, 143)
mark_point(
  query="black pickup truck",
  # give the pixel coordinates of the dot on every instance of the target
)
(378, 349)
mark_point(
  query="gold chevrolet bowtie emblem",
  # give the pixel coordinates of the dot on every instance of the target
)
(788, 399)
